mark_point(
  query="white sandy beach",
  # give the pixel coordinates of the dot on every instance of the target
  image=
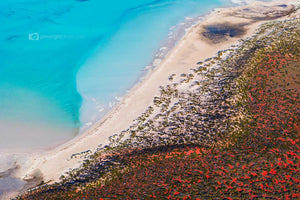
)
(190, 50)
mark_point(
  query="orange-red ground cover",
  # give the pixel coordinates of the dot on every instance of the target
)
(264, 163)
(260, 162)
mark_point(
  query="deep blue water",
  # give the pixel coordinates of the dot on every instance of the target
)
(62, 62)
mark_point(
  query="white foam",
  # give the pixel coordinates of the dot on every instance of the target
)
(189, 18)
(172, 28)
(242, 1)
(7, 161)
(156, 62)
(163, 48)
(88, 123)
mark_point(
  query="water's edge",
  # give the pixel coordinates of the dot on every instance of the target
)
(176, 33)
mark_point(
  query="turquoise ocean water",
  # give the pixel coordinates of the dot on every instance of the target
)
(63, 62)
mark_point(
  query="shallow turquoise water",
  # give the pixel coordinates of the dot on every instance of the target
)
(62, 62)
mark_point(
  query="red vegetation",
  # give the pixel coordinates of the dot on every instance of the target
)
(264, 163)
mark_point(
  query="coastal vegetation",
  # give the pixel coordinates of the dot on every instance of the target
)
(228, 129)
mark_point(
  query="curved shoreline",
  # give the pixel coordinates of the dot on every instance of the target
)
(179, 30)
(185, 55)
(175, 35)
